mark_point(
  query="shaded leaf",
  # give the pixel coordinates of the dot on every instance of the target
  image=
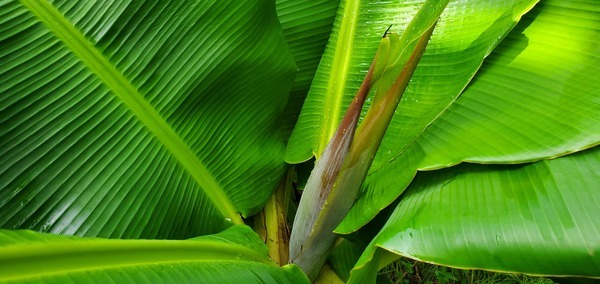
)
(343, 257)
(139, 118)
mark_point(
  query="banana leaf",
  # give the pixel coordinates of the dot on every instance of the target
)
(539, 219)
(525, 105)
(236, 255)
(139, 119)
(536, 97)
(306, 26)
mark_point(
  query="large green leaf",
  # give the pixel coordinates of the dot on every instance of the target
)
(236, 255)
(465, 34)
(306, 26)
(536, 97)
(139, 118)
(539, 218)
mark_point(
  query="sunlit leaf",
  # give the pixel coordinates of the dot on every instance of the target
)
(537, 96)
(539, 218)
(235, 255)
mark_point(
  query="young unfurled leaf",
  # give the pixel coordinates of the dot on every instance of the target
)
(338, 174)
(318, 188)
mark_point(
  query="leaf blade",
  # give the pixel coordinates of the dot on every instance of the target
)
(79, 161)
(537, 91)
(29, 256)
(306, 26)
(536, 219)
(331, 100)
(501, 117)
(129, 94)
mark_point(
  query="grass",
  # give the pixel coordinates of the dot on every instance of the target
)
(406, 271)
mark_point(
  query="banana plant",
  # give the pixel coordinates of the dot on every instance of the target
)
(138, 138)
(496, 120)
(129, 120)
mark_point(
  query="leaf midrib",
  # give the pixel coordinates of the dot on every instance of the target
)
(336, 84)
(124, 89)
